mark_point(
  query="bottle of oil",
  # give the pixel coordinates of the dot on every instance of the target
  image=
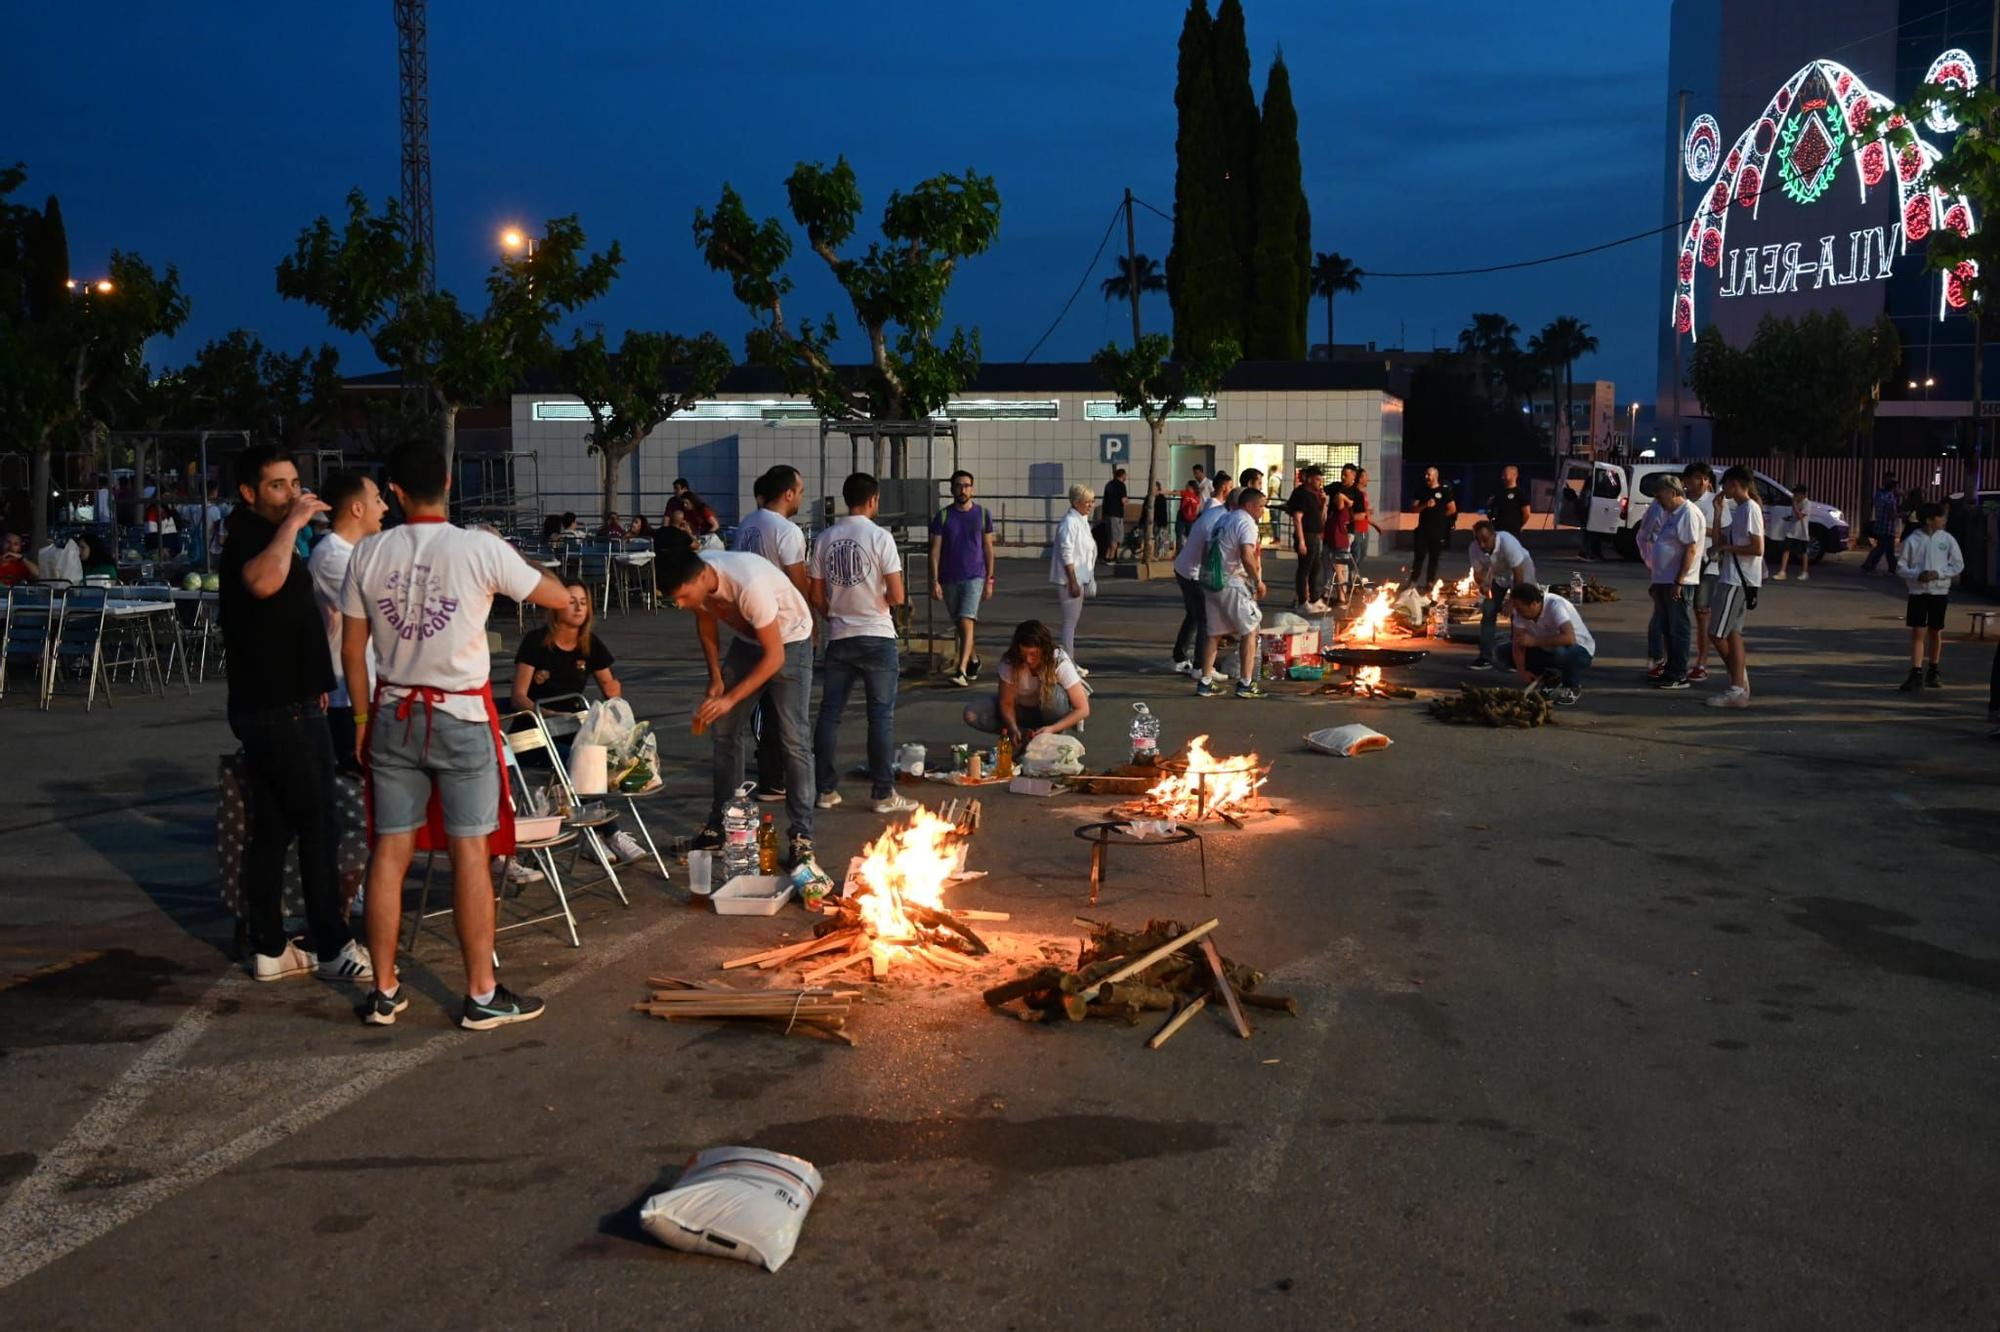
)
(767, 847)
(1003, 764)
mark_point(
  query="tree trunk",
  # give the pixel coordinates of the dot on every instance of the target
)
(1329, 326)
(881, 443)
(609, 458)
(38, 509)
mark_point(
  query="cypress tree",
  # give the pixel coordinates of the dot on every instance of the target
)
(1277, 329)
(1201, 263)
(46, 256)
(1236, 106)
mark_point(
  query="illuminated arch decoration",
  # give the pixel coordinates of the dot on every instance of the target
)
(1953, 69)
(1814, 122)
(1703, 148)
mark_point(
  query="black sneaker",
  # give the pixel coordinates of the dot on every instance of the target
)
(708, 839)
(504, 1008)
(379, 1010)
(972, 669)
(1931, 680)
(770, 795)
(1480, 664)
(1677, 682)
(802, 849)
(1912, 682)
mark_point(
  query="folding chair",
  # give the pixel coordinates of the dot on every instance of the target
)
(534, 738)
(594, 567)
(562, 717)
(25, 636)
(132, 642)
(177, 649)
(78, 639)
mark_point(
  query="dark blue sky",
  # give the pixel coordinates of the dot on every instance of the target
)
(1435, 134)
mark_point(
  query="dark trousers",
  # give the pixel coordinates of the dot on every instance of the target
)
(1566, 660)
(770, 747)
(1884, 545)
(288, 781)
(1674, 619)
(1424, 564)
(340, 729)
(1191, 644)
(1309, 581)
(1993, 689)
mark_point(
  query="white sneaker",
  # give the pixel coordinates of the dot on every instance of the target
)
(1779, 577)
(827, 800)
(1805, 578)
(895, 803)
(292, 962)
(1736, 696)
(628, 847)
(349, 964)
(1184, 668)
(521, 873)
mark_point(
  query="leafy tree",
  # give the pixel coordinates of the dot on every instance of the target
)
(236, 383)
(653, 376)
(1118, 287)
(1802, 386)
(70, 359)
(1521, 374)
(1147, 381)
(368, 279)
(1489, 339)
(1562, 341)
(1334, 275)
(1277, 323)
(896, 286)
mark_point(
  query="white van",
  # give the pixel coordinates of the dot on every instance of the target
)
(1611, 499)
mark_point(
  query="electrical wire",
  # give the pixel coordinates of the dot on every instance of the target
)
(1081, 282)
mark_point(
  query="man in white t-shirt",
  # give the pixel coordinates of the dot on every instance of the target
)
(1549, 637)
(770, 652)
(354, 502)
(1738, 547)
(1698, 479)
(420, 595)
(856, 577)
(769, 531)
(1499, 562)
(1191, 643)
(1233, 609)
(1675, 562)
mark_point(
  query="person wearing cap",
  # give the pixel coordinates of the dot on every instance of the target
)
(1675, 561)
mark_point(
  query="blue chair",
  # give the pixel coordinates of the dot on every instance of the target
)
(25, 634)
(78, 642)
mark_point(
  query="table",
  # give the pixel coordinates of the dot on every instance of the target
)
(1102, 836)
(631, 561)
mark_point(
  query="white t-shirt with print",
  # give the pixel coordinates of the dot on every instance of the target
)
(752, 592)
(1236, 530)
(1745, 521)
(1556, 612)
(1707, 506)
(328, 567)
(1508, 561)
(426, 590)
(1027, 685)
(1678, 529)
(854, 558)
(769, 533)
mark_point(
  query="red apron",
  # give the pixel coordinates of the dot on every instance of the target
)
(432, 837)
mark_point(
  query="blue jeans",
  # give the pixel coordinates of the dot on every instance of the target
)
(1567, 660)
(791, 692)
(1489, 614)
(873, 663)
(1673, 626)
(1191, 643)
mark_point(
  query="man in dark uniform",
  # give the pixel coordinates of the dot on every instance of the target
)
(1508, 506)
(1437, 511)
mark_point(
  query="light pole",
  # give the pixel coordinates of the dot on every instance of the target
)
(1927, 385)
(1632, 428)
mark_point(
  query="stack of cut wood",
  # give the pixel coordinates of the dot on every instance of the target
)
(946, 943)
(1494, 707)
(1593, 591)
(817, 1011)
(1119, 975)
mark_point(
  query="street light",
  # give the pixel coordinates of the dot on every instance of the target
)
(1927, 385)
(517, 240)
(101, 287)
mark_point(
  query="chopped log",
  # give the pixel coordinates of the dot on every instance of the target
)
(1140, 963)
(1137, 994)
(964, 914)
(1022, 986)
(941, 920)
(1279, 1003)
(1126, 1013)
(813, 947)
(675, 982)
(1070, 1006)
(779, 953)
(1228, 994)
(842, 964)
(1175, 1023)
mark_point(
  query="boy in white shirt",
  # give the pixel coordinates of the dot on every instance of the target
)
(1738, 546)
(856, 577)
(1233, 609)
(1675, 562)
(419, 595)
(355, 507)
(1548, 636)
(769, 531)
(1928, 560)
(770, 652)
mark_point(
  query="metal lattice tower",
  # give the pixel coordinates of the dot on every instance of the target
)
(413, 65)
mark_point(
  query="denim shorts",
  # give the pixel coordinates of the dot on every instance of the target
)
(460, 759)
(961, 600)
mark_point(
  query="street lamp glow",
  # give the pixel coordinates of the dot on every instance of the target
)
(104, 286)
(512, 238)
(71, 284)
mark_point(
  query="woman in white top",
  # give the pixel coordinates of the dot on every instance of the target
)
(1797, 527)
(1040, 689)
(1073, 563)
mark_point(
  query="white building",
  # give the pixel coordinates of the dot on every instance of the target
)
(1026, 432)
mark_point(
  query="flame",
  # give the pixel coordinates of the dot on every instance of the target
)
(1367, 678)
(1374, 617)
(1437, 590)
(1463, 587)
(1209, 785)
(905, 865)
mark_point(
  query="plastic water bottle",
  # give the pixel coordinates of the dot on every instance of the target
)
(739, 834)
(1439, 622)
(1575, 587)
(1145, 735)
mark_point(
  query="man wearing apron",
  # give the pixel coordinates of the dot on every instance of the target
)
(430, 738)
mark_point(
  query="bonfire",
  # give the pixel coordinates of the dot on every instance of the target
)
(1206, 786)
(1367, 626)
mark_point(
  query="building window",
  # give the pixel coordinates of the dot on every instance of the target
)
(559, 411)
(1330, 456)
(1106, 409)
(1001, 409)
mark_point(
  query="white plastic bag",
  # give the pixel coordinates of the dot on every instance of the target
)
(1347, 741)
(60, 561)
(1053, 754)
(735, 1202)
(609, 723)
(1410, 607)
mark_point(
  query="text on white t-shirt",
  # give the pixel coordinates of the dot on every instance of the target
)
(854, 558)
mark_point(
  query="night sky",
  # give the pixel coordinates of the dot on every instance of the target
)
(1435, 134)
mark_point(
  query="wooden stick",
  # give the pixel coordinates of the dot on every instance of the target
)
(1144, 960)
(675, 982)
(734, 996)
(821, 945)
(964, 914)
(751, 959)
(1175, 1023)
(1279, 1003)
(944, 957)
(841, 965)
(1222, 982)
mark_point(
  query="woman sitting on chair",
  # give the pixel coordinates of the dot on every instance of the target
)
(559, 659)
(96, 557)
(1040, 689)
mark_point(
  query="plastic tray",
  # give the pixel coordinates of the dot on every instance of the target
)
(752, 895)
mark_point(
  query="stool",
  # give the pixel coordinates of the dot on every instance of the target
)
(1102, 836)
(1979, 619)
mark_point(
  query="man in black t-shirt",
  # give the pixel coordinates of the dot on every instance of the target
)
(1112, 518)
(1307, 509)
(1508, 506)
(280, 673)
(1437, 511)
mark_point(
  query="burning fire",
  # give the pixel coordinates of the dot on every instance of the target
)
(1437, 590)
(1374, 617)
(1463, 587)
(1367, 678)
(1210, 785)
(905, 866)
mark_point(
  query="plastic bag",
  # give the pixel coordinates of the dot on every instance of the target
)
(609, 723)
(60, 561)
(735, 1202)
(1410, 608)
(1052, 754)
(1347, 741)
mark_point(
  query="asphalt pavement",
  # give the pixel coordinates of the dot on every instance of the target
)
(1662, 1016)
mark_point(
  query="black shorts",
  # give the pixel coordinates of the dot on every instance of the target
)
(1925, 611)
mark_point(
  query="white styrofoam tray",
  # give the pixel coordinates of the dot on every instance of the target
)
(752, 895)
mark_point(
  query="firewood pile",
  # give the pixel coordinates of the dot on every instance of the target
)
(1494, 707)
(1119, 976)
(820, 1012)
(1593, 591)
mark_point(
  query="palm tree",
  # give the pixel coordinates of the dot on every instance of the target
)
(1564, 341)
(1332, 275)
(1488, 340)
(1118, 287)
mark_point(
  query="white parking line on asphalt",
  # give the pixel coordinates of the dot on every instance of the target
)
(41, 1222)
